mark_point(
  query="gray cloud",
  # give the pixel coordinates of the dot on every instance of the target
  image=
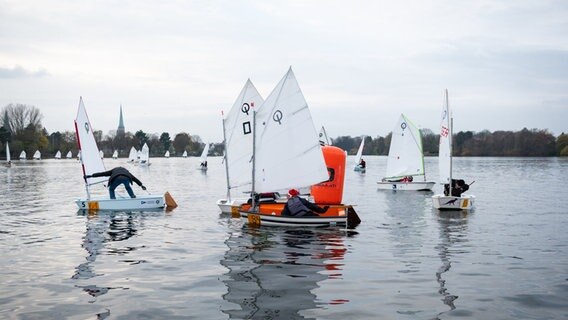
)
(19, 72)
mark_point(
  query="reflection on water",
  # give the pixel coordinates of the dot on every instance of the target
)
(273, 272)
(103, 228)
(453, 227)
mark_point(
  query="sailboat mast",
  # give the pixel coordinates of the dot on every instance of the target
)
(252, 193)
(450, 139)
(226, 163)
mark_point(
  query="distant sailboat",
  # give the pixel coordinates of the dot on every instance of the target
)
(203, 165)
(115, 154)
(23, 155)
(8, 157)
(144, 156)
(132, 155)
(184, 154)
(324, 140)
(167, 154)
(69, 155)
(101, 154)
(37, 155)
(57, 155)
(360, 165)
(406, 159)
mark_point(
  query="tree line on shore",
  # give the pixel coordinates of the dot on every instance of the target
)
(22, 129)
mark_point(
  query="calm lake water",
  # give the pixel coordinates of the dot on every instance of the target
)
(508, 259)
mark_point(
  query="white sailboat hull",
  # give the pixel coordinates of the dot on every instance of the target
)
(443, 202)
(406, 186)
(105, 203)
(231, 206)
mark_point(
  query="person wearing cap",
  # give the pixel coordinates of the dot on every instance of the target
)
(300, 207)
(118, 176)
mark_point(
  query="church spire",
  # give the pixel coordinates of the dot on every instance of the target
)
(120, 130)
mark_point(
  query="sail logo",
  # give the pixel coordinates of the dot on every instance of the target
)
(246, 127)
(246, 107)
(444, 131)
(87, 126)
(277, 116)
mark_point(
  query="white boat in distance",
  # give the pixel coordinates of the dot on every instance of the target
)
(184, 154)
(452, 198)
(23, 155)
(405, 163)
(69, 155)
(91, 162)
(8, 157)
(144, 156)
(37, 155)
(57, 155)
(132, 155)
(203, 164)
(167, 154)
(115, 154)
(358, 156)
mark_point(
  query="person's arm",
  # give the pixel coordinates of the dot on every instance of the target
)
(312, 206)
(138, 182)
(100, 174)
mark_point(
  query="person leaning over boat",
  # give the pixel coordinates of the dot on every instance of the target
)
(118, 176)
(300, 207)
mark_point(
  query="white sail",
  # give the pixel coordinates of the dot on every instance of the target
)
(132, 154)
(37, 155)
(23, 155)
(405, 152)
(324, 140)
(287, 152)
(115, 154)
(89, 152)
(204, 153)
(184, 154)
(101, 154)
(167, 154)
(359, 154)
(69, 155)
(57, 155)
(238, 134)
(8, 158)
(145, 155)
(445, 151)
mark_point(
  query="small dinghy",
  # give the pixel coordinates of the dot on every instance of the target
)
(453, 197)
(406, 160)
(287, 154)
(91, 163)
(237, 138)
(360, 165)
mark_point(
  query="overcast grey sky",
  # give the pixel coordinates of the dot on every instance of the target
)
(174, 65)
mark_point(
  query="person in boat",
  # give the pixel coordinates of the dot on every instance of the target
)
(362, 164)
(297, 206)
(407, 179)
(204, 164)
(118, 176)
(458, 187)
